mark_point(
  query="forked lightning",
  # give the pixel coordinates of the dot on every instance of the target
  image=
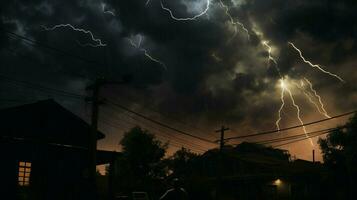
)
(98, 42)
(186, 18)
(314, 65)
(235, 23)
(138, 46)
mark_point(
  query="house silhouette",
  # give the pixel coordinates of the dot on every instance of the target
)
(254, 171)
(44, 153)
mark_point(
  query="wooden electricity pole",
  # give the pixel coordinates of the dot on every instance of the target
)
(221, 143)
(93, 136)
(219, 174)
(94, 128)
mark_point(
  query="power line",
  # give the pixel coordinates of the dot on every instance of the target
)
(16, 100)
(295, 136)
(302, 137)
(38, 96)
(33, 60)
(157, 131)
(298, 140)
(20, 139)
(289, 128)
(160, 131)
(165, 126)
(42, 88)
(159, 123)
(151, 109)
(172, 143)
(46, 46)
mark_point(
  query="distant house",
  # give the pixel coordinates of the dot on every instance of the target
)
(252, 171)
(44, 153)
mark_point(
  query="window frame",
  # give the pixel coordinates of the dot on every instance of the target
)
(24, 173)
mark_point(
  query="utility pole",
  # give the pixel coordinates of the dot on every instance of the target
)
(221, 143)
(94, 128)
(92, 151)
(221, 146)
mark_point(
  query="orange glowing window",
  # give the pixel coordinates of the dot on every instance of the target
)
(24, 173)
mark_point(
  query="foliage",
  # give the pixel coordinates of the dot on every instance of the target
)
(181, 163)
(141, 162)
(339, 150)
(340, 146)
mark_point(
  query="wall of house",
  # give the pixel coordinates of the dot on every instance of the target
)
(55, 173)
(283, 188)
(8, 172)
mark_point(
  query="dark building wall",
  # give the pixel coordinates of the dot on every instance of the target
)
(56, 172)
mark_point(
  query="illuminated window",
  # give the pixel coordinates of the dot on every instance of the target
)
(24, 173)
(278, 182)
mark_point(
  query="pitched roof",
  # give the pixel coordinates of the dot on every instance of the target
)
(45, 121)
(257, 161)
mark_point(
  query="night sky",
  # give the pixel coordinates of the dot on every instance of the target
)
(195, 68)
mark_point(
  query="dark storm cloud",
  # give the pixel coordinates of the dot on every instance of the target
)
(327, 25)
(320, 21)
(210, 74)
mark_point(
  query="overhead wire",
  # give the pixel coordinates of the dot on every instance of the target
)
(41, 88)
(172, 143)
(302, 139)
(173, 119)
(33, 60)
(292, 127)
(159, 123)
(124, 124)
(156, 129)
(49, 47)
(294, 136)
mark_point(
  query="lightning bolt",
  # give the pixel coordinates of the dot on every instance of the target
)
(310, 97)
(86, 44)
(216, 58)
(298, 115)
(235, 23)
(98, 42)
(271, 58)
(285, 89)
(314, 65)
(282, 83)
(277, 123)
(107, 11)
(225, 7)
(187, 18)
(318, 97)
(138, 46)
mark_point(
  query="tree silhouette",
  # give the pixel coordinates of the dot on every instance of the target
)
(339, 151)
(181, 163)
(141, 161)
